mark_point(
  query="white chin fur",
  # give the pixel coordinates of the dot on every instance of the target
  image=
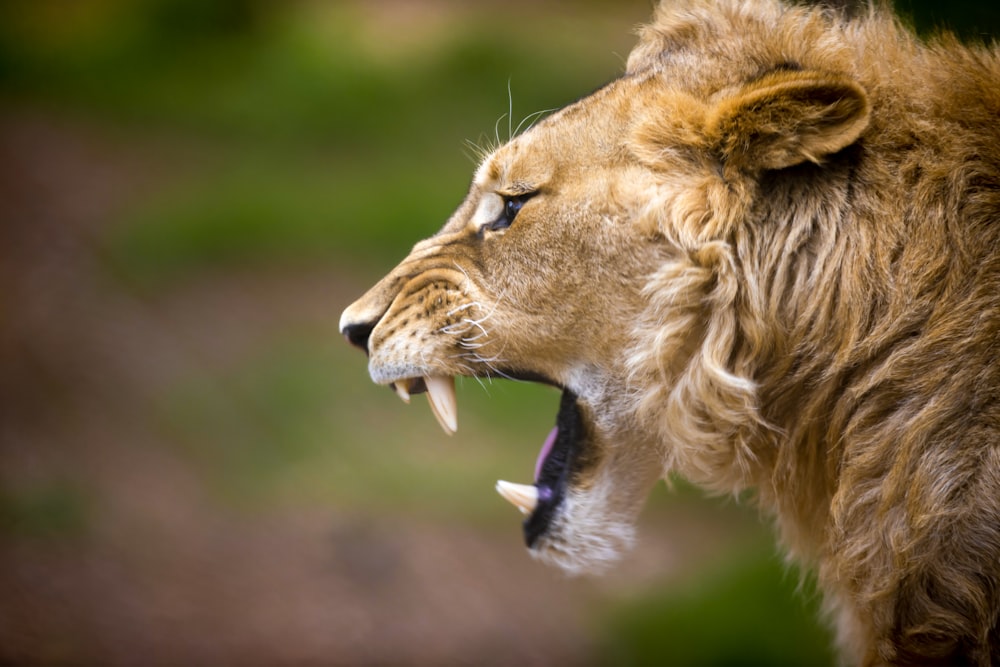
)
(586, 536)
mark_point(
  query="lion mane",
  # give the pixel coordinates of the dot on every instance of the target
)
(854, 323)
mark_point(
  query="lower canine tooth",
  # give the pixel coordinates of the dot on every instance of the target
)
(522, 496)
(441, 396)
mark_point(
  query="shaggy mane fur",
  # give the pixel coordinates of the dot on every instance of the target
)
(850, 322)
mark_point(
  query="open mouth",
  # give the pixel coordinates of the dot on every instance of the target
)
(556, 463)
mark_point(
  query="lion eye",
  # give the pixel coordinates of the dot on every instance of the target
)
(511, 207)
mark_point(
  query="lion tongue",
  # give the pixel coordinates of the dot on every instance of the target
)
(546, 449)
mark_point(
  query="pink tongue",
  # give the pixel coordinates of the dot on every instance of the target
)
(546, 448)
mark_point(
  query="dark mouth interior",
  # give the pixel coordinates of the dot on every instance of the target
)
(560, 461)
(556, 468)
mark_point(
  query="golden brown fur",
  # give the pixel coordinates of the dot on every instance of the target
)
(767, 257)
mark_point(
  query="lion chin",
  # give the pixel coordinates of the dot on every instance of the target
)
(584, 538)
(767, 258)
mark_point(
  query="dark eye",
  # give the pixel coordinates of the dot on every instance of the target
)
(511, 206)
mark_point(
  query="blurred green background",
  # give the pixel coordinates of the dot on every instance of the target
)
(194, 467)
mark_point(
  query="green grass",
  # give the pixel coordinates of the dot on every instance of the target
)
(282, 211)
(749, 610)
(313, 142)
(55, 510)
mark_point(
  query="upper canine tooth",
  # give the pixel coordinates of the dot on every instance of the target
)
(401, 390)
(441, 396)
(522, 496)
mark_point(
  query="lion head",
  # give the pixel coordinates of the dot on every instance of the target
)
(594, 253)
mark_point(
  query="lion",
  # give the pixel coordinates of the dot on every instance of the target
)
(766, 258)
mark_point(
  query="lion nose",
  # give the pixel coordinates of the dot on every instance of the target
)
(358, 334)
(360, 318)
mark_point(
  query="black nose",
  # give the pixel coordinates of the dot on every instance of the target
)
(358, 334)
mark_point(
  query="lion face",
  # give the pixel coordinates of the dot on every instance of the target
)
(531, 279)
(593, 254)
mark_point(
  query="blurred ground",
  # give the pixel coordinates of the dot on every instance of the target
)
(118, 552)
(194, 468)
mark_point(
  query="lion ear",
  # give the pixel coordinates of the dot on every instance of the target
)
(786, 118)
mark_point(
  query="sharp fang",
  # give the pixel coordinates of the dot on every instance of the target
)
(401, 390)
(441, 396)
(522, 496)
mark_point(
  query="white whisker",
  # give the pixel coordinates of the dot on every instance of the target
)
(496, 130)
(471, 304)
(510, 111)
(535, 117)
(476, 323)
(499, 372)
